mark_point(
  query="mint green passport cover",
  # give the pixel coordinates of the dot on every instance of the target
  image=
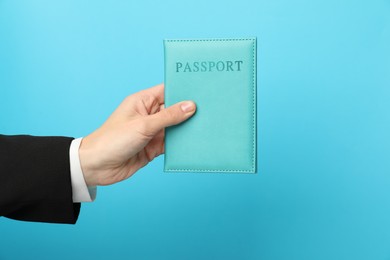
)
(219, 75)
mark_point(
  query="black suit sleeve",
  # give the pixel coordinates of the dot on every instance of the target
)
(35, 182)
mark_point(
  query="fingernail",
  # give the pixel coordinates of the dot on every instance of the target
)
(188, 106)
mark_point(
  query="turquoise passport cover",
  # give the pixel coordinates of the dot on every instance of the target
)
(219, 75)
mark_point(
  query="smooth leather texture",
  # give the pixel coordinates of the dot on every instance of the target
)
(221, 136)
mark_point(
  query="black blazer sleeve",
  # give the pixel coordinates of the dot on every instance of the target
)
(35, 182)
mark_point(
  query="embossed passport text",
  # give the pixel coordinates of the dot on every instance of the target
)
(219, 75)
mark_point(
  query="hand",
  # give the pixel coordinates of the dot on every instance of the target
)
(131, 137)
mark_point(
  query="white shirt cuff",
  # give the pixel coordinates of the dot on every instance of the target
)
(81, 192)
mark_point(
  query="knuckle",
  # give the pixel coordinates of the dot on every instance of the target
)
(171, 114)
(128, 99)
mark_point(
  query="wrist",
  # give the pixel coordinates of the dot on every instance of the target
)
(87, 162)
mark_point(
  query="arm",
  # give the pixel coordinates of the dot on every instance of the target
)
(35, 182)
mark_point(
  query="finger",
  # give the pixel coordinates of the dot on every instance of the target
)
(157, 143)
(172, 115)
(146, 101)
(157, 92)
(162, 106)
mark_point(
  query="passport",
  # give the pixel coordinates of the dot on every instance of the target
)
(219, 75)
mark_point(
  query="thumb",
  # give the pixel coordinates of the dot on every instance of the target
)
(172, 115)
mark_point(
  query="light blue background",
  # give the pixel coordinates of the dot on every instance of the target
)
(323, 188)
